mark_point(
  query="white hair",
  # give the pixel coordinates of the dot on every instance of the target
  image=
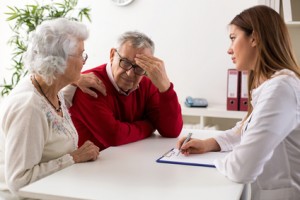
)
(49, 46)
(137, 39)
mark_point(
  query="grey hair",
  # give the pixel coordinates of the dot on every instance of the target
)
(137, 39)
(49, 46)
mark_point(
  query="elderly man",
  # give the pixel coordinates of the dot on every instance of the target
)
(139, 97)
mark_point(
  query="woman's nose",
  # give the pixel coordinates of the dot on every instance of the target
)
(229, 51)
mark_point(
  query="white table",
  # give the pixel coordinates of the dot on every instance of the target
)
(131, 172)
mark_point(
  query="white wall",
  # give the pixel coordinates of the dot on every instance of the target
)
(190, 35)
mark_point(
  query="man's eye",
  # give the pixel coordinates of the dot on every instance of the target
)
(126, 63)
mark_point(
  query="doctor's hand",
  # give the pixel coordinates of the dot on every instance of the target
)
(197, 146)
(88, 82)
(155, 70)
(87, 152)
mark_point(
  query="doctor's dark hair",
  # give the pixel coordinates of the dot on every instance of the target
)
(49, 47)
(273, 44)
(137, 39)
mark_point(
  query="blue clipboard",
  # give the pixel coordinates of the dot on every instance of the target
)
(202, 160)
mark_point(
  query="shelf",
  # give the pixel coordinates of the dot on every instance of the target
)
(214, 116)
(295, 24)
(216, 111)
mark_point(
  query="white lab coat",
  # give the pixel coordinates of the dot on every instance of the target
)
(267, 152)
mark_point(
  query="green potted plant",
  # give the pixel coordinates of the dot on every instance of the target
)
(24, 20)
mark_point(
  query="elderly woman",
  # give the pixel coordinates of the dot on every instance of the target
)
(37, 136)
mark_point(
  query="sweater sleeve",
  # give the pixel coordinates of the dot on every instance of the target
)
(26, 130)
(69, 92)
(164, 112)
(95, 120)
(273, 118)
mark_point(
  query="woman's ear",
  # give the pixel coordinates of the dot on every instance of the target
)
(254, 39)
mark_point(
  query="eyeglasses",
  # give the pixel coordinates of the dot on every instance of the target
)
(83, 56)
(127, 65)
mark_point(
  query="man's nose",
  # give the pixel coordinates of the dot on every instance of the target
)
(130, 73)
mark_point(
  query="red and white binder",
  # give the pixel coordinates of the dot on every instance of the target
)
(233, 89)
(244, 91)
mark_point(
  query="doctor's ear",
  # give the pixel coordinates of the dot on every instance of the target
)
(254, 39)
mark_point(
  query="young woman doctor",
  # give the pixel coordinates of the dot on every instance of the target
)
(265, 145)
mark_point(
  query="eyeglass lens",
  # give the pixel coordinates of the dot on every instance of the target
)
(84, 56)
(126, 65)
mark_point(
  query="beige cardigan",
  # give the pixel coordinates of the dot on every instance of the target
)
(34, 140)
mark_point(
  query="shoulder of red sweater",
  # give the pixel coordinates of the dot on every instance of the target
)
(96, 69)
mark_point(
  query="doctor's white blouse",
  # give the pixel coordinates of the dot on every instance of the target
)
(267, 151)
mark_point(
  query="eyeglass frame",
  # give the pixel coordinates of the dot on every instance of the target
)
(134, 66)
(84, 56)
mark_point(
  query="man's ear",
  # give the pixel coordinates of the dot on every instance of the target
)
(112, 54)
(254, 39)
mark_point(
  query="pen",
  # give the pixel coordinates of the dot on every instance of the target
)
(185, 141)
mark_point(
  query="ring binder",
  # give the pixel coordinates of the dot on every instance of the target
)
(233, 89)
(244, 91)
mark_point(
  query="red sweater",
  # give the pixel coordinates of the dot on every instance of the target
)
(117, 119)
